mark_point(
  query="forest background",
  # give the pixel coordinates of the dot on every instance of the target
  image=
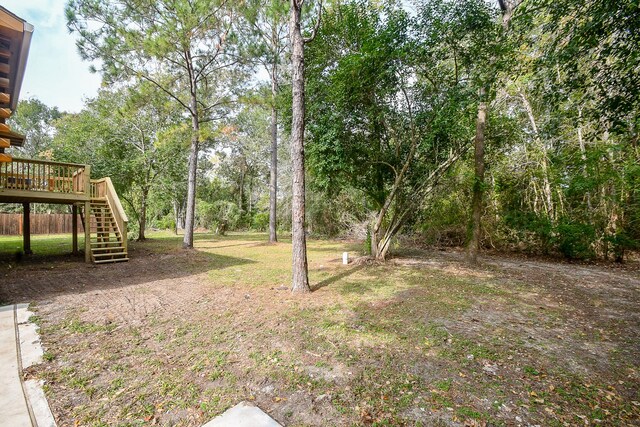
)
(418, 116)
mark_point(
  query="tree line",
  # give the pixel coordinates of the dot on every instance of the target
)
(510, 125)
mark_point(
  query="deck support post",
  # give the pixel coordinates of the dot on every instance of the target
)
(74, 226)
(87, 231)
(26, 229)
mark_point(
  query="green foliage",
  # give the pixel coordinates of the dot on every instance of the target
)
(35, 120)
(260, 221)
(574, 240)
(167, 222)
(589, 46)
(128, 135)
(391, 99)
(366, 246)
(220, 214)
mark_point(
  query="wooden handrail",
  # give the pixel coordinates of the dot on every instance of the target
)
(103, 188)
(29, 175)
(48, 162)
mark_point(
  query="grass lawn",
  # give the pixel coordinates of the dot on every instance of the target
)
(44, 245)
(175, 337)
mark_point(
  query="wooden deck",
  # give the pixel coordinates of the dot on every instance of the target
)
(41, 181)
(29, 181)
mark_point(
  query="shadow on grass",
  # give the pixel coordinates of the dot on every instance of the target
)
(333, 279)
(34, 281)
(214, 246)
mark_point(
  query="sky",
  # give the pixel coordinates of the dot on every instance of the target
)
(55, 73)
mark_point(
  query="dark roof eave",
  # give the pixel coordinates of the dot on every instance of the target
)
(22, 64)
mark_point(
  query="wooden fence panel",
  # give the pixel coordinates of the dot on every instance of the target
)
(11, 224)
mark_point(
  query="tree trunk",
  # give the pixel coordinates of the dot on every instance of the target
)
(189, 222)
(142, 218)
(250, 197)
(298, 238)
(583, 156)
(548, 196)
(273, 178)
(478, 183)
(243, 172)
(176, 216)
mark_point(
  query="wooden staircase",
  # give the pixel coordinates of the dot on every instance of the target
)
(107, 242)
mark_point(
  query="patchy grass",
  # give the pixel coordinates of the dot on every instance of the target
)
(174, 337)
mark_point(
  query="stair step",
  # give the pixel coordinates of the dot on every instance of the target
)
(109, 248)
(109, 254)
(106, 261)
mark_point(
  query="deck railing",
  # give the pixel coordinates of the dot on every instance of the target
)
(44, 176)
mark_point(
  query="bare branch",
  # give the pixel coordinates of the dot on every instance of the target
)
(316, 26)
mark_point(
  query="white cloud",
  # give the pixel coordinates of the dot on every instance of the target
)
(55, 73)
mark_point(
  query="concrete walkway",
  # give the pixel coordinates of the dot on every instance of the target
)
(243, 415)
(22, 403)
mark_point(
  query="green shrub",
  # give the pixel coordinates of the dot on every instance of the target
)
(574, 240)
(167, 222)
(260, 221)
(221, 215)
(621, 242)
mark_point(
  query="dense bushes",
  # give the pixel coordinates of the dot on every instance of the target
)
(220, 215)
